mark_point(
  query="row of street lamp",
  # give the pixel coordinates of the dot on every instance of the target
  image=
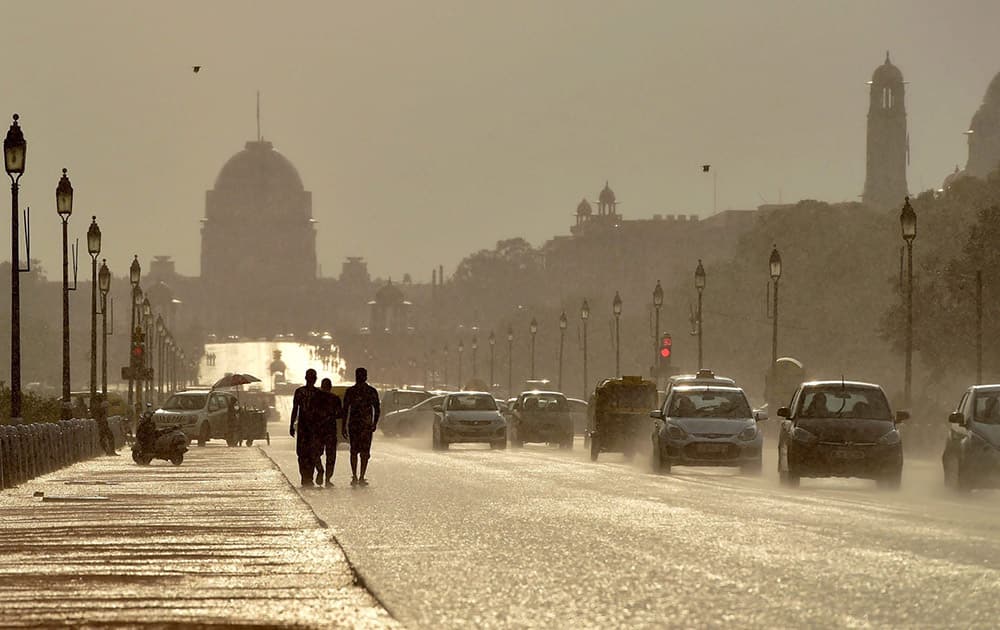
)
(15, 149)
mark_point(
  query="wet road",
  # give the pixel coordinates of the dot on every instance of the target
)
(543, 538)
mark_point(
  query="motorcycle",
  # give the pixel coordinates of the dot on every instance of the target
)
(169, 443)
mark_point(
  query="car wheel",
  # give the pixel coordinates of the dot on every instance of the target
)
(891, 480)
(205, 435)
(753, 468)
(659, 466)
(499, 444)
(230, 442)
(249, 442)
(177, 460)
(595, 448)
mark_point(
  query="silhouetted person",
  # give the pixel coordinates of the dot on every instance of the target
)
(361, 413)
(234, 432)
(100, 414)
(817, 406)
(305, 414)
(330, 411)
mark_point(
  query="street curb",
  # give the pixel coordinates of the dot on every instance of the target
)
(359, 577)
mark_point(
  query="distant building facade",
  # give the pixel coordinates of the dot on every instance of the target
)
(984, 134)
(887, 143)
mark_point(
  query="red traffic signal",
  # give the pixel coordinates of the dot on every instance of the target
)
(666, 346)
(137, 352)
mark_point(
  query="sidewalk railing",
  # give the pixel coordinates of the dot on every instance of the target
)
(30, 450)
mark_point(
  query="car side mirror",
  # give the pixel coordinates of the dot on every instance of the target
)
(657, 413)
(759, 415)
(438, 408)
(902, 416)
(784, 412)
(957, 417)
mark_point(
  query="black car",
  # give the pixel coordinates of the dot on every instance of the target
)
(840, 429)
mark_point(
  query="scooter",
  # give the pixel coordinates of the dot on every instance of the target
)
(169, 443)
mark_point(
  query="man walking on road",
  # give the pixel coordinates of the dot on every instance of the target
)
(361, 413)
(330, 412)
(305, 420)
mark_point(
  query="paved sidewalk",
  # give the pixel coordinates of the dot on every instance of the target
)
(221, 540)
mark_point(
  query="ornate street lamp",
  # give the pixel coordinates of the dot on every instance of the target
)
(584, 316)
(510, 361)
(14, 150)
(699, 283)
(908, 225)
(775, 268)
(134, 274)
(616, 308)
(533, 329)
(161, 330)
(493, 344)
(475, 346)
(657, 305)
(147, 329)
(461, 349)
(64, 208)
(104, 286)
(94, 249)
(563, 323)
(137, 347)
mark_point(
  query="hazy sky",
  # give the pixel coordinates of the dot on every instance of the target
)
(426, 130)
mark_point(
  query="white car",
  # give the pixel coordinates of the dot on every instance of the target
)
(201, 415)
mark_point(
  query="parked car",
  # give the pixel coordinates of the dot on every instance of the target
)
(468, 417)
(971, 456)
(707, 425)
(540, 416)
(201, 415)
(396, 399)
(417, 420)
(840, 429)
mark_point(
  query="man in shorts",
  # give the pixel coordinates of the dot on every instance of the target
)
(305, 423)
(361, 413)
(330, 412)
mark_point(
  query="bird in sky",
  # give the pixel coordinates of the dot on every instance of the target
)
(195, 69)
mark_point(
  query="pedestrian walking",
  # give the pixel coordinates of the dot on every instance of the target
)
(361, 415)
(304, 427)
(100, 414)
(330, 412)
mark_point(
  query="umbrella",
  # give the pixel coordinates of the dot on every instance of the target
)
(235, 380)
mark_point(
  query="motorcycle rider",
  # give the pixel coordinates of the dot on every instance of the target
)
(146, 433)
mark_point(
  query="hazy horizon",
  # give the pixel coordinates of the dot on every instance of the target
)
(494, 119)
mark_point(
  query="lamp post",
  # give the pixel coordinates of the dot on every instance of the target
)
(94, 249)
(908, 225)
(699, 283)
(775, 268)
(657, 305)
(160, 330)
(563, 323)
(493, 347)
(134, 272)
(147, 329)
(584, 316)
(533, 328)
(64, 208)
(461, 349)
(510, 361)
(475, 346)
(138, 347)
(104, 286)
(14, 150)
(446, 365)
(616, 308)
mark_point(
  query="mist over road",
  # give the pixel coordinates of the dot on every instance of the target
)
(537, 537)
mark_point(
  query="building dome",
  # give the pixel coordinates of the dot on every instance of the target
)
(259, 165)
(984, 134)
(607, 195)
(389, 295)
(584, 209)
(887, 73)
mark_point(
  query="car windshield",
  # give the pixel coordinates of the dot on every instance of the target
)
(471, 402)
(844, 402)
(545, 402)
(988, 408)
(709, 403)
(185, 402)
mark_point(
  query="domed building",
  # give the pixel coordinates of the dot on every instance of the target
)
(258, 244)
(888, 144)
(984, 134)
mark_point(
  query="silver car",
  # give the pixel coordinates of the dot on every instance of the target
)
(707, 425)
(468, 417)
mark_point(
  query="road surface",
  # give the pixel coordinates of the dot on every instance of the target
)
(544, 538)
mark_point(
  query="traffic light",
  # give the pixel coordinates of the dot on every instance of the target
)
(666, 349)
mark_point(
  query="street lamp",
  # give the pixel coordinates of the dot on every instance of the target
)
(94, 249)
(908, 225)
(147, 329)
(584, 316)
(775, 267)
(137, 346)
(533, 328)
(14, 150)
(510, 361)
(64, 208)
(134, 273)
(446, 365)
(562, 342)
(461, 349)
(657, 305)
(616, 308)
(160, 330)
(699, 283)
(104, 286)
(493, 344)
(475, 346)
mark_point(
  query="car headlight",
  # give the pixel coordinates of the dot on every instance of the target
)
(748, 434)
(890, 438)
(801, 435)
(674, 432)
